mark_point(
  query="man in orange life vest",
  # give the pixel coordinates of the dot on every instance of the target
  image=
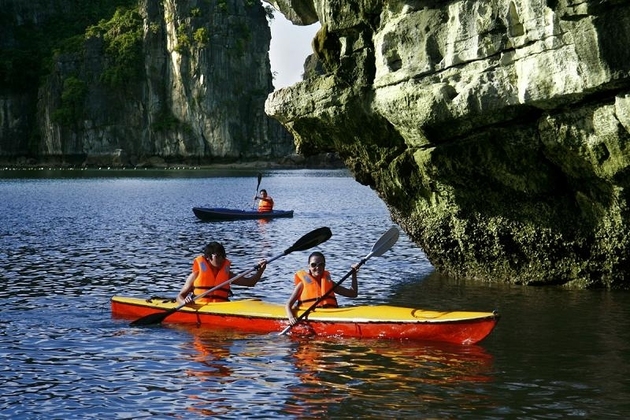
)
(211, 269)
(315, 282)
(265, 203)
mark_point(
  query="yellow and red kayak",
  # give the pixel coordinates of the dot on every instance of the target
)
(381, 321)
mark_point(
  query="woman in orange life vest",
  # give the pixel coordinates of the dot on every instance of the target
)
(311, 284)
(265, 203)
(211, 269)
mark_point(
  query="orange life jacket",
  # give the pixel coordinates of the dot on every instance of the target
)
(265, 204)
(312, 289)
(206, 279)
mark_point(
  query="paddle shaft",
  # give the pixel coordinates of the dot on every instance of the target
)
(217, 287)
(225, 283)
(257, 186)
(324, 296)
(385, 242)
(307, 241)
(161, 316)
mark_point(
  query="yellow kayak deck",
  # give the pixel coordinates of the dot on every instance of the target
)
(256, 308)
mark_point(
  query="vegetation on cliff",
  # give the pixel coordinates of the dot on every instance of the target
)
(122, 38)
(496, 131)
(126, 81)
(122, 43)
(28, 54)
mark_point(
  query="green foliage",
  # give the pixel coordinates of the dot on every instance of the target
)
(33, 45)
(245, 31)
(165, 121)
(72, 102)
(195, 12)
(240, 48)
(201, 37)
(183, 39)
(70, 45)
(122, 36)
(223, 5)
(154, 28)
(310, 73)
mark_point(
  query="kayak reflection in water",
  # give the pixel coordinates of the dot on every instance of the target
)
(369, 372)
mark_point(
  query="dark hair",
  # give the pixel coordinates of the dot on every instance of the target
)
(317, 254)
(214, 248)
(263, 191)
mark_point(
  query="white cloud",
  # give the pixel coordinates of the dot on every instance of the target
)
(290, 45)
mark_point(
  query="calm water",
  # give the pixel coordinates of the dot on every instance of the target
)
(71, 240)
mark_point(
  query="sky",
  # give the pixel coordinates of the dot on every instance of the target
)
(290, 45)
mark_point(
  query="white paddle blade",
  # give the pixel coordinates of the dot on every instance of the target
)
(388, 240)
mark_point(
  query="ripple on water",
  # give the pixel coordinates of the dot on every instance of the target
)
(68, 244)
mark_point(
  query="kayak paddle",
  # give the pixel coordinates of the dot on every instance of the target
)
(386, 241)
(307, 241)
(257, 186)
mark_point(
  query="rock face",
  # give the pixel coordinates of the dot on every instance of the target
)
(497, 131)
(153, 81)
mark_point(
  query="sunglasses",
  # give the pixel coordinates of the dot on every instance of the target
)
(321, 264)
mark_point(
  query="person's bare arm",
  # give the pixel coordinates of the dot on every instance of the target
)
(289, 305)
(184, 294)
(251, 280)
(353, 291)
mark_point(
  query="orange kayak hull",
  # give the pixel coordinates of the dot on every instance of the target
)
(380, 321)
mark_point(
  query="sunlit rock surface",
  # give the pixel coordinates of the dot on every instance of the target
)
(497, 132)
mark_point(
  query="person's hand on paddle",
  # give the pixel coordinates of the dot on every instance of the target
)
(318, 275)
(289, 305)
(262, 265)
(386, 241)
(311, 239)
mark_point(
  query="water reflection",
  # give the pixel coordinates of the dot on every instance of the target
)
(313, 377)
(68, 244)
(210, 353)
(367, 369)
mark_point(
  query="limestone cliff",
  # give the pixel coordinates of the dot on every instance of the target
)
(497, 131)
(126, 82)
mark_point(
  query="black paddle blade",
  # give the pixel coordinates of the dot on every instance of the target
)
(311, 239)
(151, 319)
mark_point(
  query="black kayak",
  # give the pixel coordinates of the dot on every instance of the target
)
(217, 213)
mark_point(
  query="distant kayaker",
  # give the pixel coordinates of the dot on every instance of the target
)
(266, 202)
(210, 270)
(314, 282)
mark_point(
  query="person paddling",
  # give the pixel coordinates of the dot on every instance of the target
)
(314, 282)
(212, 269)
(266, 202)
